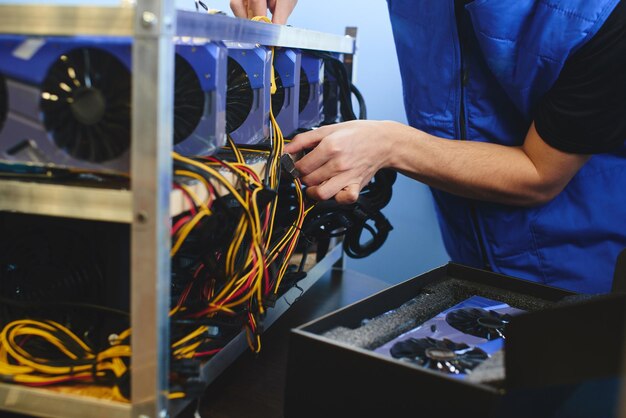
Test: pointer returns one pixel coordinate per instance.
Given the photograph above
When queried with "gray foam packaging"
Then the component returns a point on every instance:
(433, 299)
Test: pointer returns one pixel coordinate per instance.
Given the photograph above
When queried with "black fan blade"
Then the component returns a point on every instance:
(442, 355)
(239, 96)
(278, 98)
(305, 90)
(478, 322)
(85, 102)
(189, 100)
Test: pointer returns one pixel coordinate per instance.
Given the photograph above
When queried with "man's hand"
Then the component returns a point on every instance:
(281, 9)
(344, 158)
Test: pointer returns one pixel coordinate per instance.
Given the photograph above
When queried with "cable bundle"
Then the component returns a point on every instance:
(41, 353)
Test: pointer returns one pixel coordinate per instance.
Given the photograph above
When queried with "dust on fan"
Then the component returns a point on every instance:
(442, 355)
(479, 322)
(239, 96)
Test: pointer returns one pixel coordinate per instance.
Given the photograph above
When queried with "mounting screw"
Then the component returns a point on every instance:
(148, 19)
(142, 217)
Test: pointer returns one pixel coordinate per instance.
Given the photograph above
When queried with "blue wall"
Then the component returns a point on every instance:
(414, 245)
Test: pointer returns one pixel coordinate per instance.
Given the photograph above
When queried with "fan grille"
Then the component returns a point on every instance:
(86, 104)
(442, 355)
(479, 322)
(239, 96)
(305, 90)
(278, 98)
(4, 100)
(189, 100)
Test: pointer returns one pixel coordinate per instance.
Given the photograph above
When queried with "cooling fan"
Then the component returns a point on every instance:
(442, 355)
(200, 98)
(311, 100)
(286, 100)
(248, 93)
(70, 101)
(479, 322)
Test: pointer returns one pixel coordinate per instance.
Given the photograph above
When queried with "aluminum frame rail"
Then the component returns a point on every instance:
(152, 24)
(120, 21)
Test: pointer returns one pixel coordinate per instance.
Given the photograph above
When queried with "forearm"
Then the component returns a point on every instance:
(476, 170)
(344, 157)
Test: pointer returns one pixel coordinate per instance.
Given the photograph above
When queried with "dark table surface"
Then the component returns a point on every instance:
(253, 386)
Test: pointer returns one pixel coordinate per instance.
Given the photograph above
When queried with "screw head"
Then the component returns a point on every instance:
(148, 19)
(142, 217)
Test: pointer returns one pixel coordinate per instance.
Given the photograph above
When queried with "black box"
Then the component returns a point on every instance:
(331, 378)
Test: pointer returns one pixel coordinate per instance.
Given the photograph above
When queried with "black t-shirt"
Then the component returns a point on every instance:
(585, 111)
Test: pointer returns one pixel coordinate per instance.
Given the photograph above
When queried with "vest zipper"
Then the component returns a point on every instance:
(459, 9)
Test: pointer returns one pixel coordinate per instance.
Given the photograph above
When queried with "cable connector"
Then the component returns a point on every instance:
(186, 367)
(289, 166)
(269, 301)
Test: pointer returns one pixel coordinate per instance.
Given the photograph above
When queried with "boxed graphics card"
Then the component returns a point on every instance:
(435, 346)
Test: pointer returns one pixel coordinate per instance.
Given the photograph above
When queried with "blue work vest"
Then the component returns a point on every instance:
(482, 83)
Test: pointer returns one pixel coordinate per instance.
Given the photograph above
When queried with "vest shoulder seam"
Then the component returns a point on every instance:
(567, 12)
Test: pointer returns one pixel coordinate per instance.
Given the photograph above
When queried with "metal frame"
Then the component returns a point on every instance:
(153, 25)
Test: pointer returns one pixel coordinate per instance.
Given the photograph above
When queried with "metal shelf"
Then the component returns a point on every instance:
(66, 201)
(46, 403)
(118, 21)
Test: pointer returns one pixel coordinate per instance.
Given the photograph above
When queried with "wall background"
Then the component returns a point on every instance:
(414, 245)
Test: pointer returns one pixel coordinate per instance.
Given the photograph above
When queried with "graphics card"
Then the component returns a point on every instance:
(248, 93)
(311, 92)
(199, 97)
(458, 339)
(68, 101)
(285, 102)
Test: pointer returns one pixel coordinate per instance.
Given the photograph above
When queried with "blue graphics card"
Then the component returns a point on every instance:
(285, 101)
(311, 91)
(458, 339)
(68, 101)
(200, 97)
(248, 94)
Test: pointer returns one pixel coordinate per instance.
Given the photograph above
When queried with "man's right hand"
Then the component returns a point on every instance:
(281, 9)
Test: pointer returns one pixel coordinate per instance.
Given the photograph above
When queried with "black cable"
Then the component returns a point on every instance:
(361, 100)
